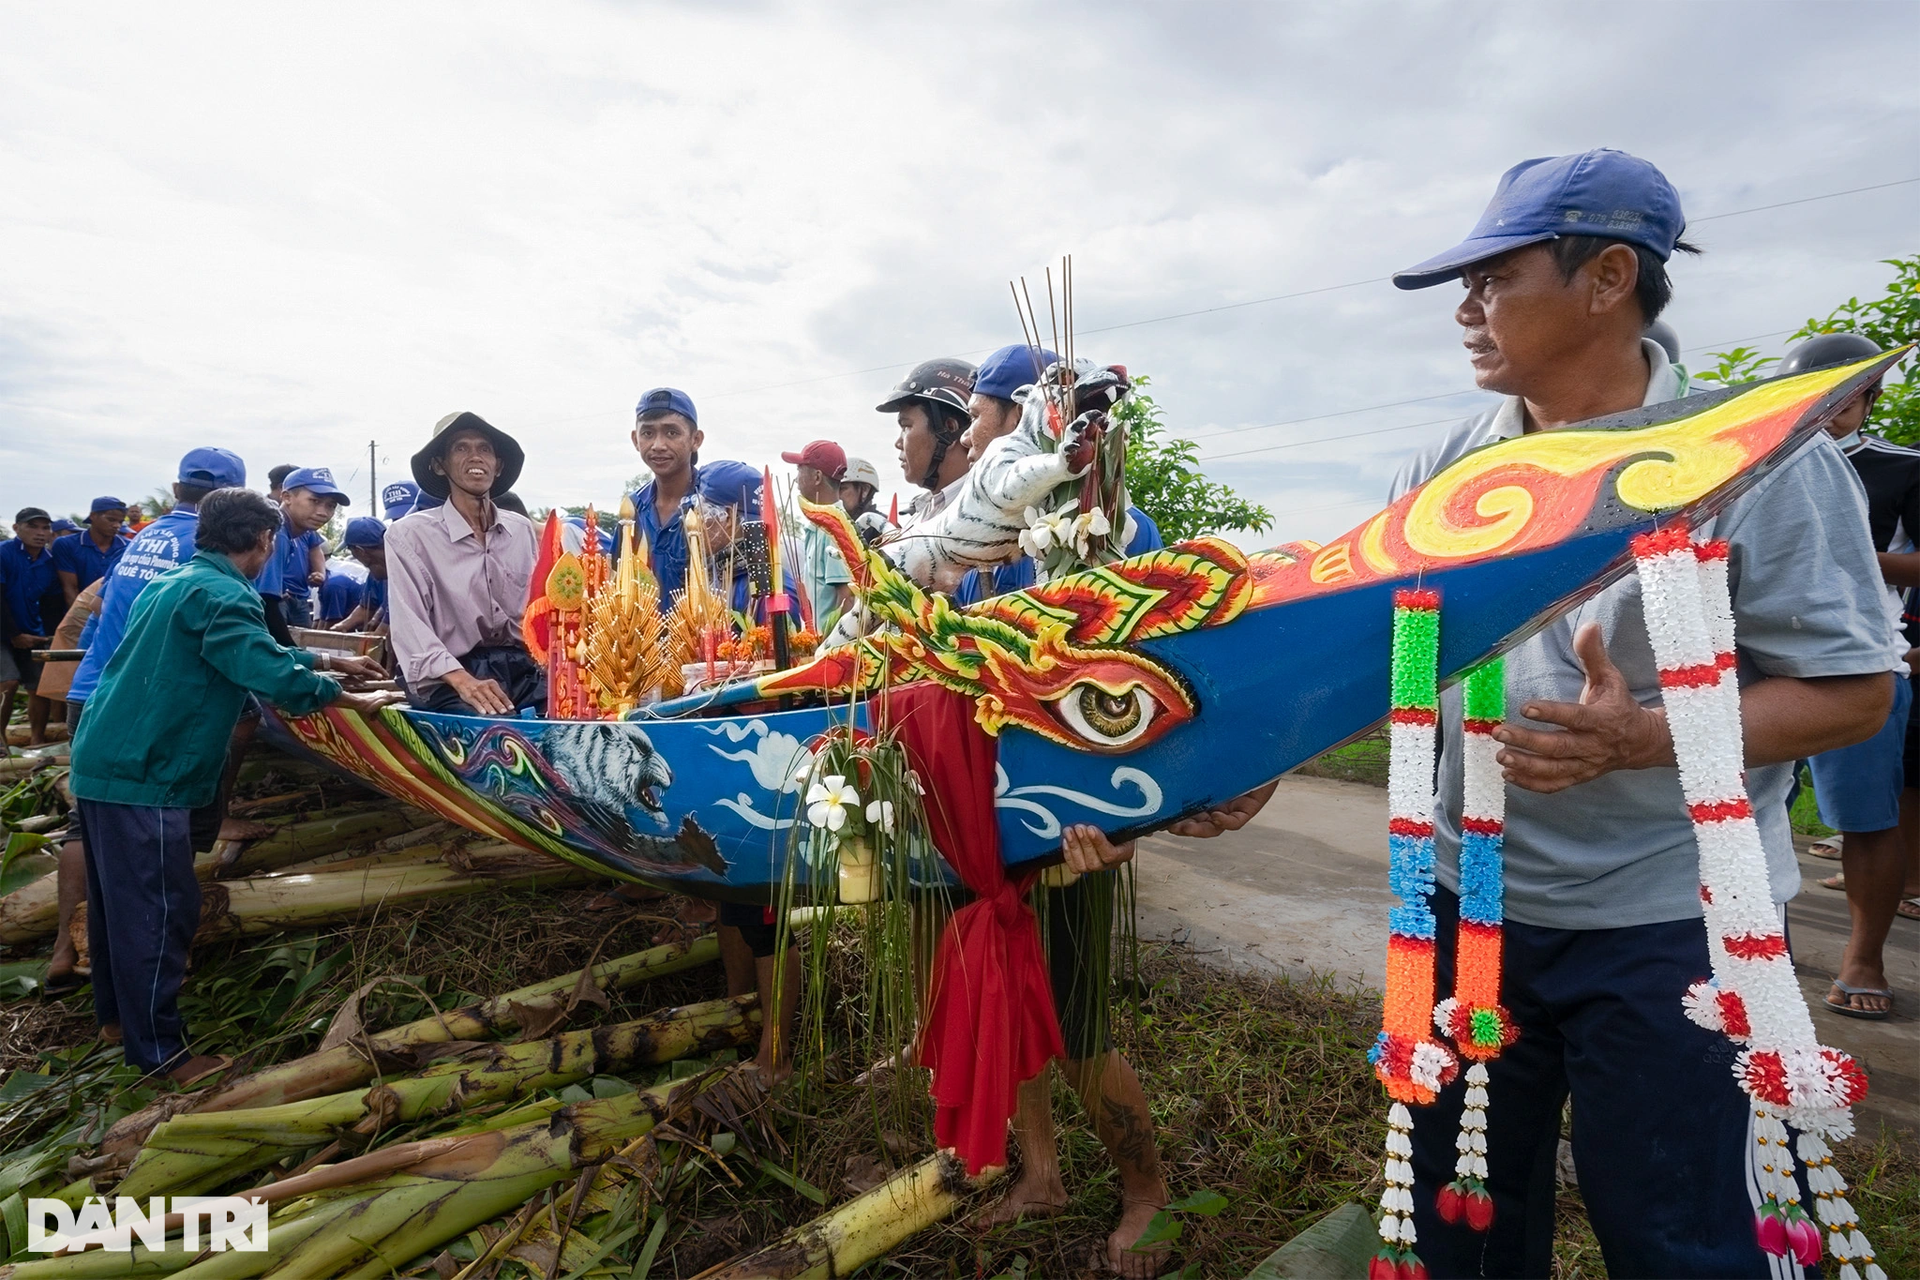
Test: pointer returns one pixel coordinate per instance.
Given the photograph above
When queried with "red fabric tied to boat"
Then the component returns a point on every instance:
(990, 1022)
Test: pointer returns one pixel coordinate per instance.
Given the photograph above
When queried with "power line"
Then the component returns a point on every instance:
(1295, 444)
(1183, 315)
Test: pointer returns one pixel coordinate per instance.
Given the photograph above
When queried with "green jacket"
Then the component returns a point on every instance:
(196, 644)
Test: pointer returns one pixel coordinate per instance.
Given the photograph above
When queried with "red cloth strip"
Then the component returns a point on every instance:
(1482, 826)
(1721, 810)
(1409, 827)
(1714, 550)
(990, 1021)
(1755, 946)
(1414, 715)
(1480, 726)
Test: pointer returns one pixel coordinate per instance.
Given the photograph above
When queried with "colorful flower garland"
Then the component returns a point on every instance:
(1473, 1016)
(1408, 1060)
(1752, 997)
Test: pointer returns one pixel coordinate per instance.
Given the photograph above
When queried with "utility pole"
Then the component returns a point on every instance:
(373, 479)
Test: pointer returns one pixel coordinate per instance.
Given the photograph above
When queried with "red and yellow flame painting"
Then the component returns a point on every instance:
(1542, 488)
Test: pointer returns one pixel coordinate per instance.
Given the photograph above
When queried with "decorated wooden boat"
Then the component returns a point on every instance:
(1127, 696)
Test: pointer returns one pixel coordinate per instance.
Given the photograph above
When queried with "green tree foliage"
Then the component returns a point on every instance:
(1890, 320)
(1165, 481)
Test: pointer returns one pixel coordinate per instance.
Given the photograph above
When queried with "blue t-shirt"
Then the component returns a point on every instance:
(79, 555)
(159, 547)
(339, 596)
(27, 581)
(295, 562)
(271, 580)
(666, 543)
(373, 594)
(1019, 575)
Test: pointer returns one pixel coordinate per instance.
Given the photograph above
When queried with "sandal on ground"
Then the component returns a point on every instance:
(1909, 908)
(62, 984)
(1828, 848)
(1835, 882)
(1846, 1010)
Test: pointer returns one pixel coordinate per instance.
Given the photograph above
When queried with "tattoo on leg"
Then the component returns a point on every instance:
(1132, 1132)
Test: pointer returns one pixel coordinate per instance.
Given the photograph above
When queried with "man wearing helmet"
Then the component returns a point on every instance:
(1859, 787)
(930, 404)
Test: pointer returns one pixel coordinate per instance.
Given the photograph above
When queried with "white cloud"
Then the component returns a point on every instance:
(290, 232)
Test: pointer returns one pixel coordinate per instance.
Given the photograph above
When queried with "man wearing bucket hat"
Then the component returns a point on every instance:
(1603, 934)
(458, 576)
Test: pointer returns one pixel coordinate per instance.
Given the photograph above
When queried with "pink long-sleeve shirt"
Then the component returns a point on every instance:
(449, 593)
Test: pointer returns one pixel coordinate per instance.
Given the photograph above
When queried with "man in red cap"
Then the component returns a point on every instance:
(823, 574)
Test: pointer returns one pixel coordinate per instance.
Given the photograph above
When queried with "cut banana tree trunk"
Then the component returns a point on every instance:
(873, 1223)
(384, 1209)
(192, 1154)
(350, 1065)
(317, 837)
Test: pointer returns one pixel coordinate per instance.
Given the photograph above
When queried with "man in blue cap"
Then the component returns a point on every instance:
(84, 558)
(667, 436)
(1603, 932)
(30, 606)
(366, 541)
(309, 497)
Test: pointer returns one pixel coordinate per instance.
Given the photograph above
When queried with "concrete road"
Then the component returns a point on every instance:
(1302, 890)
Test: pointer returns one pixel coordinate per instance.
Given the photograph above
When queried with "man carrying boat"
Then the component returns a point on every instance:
(930, 407)
(30, 607)
(152, 751)
(819, 468)
(1602, 895)
(366, 541)
(458, 575)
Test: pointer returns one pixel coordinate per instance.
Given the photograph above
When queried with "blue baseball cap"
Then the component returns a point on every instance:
(213, 469)
(106, 504)
(667, 400)
(318, 480)
(731, 484)
(1011, 368)
(398, 498)
(364, 531)
(1595, 193)
(64, 525)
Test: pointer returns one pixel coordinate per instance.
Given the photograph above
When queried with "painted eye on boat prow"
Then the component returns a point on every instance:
(1107, 713)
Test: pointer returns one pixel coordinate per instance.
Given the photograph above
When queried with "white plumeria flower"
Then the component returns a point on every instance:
(828, 800)
(880, 814)
(1048, 529)
(913, 780)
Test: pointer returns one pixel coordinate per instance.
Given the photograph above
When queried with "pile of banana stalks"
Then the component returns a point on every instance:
(537, 1132)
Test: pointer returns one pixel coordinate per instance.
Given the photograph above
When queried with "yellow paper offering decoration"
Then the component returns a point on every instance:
(624, 649)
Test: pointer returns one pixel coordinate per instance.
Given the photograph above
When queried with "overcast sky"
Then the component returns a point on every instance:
(292, 231)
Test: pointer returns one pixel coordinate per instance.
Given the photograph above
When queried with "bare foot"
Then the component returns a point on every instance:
(245, 829)
(1148, 1262)
(1033, 1196)
(198, 1068)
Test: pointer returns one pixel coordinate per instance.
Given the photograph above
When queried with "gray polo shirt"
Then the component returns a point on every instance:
(1619, 850)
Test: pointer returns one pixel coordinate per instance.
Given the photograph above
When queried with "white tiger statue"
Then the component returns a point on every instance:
(981, 527)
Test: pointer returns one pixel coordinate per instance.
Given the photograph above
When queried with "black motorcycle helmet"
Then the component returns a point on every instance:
(1825, 350)
(944, 387)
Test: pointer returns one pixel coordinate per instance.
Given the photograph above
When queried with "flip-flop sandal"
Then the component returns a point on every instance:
(1835, 882)
(1866, 1015)
(64, 984)
(1909, 908)
(1828, 848)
